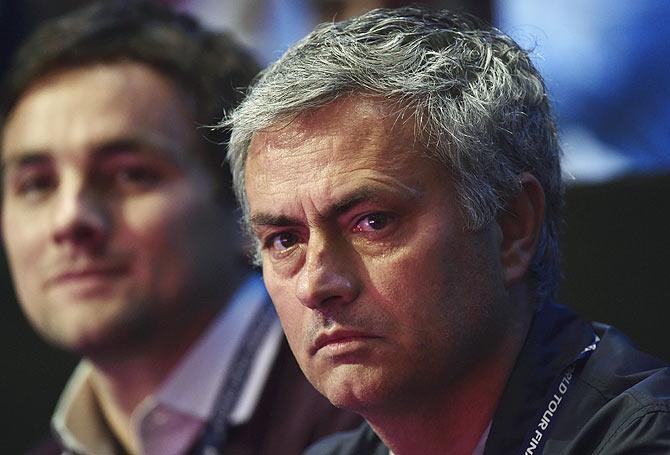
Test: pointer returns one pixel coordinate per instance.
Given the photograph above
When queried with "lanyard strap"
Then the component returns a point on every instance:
(214, 438)
(537, 437)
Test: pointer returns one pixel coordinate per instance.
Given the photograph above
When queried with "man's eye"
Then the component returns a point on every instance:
(36, 185)
(372, 222)
(283, 241)
(138, 176)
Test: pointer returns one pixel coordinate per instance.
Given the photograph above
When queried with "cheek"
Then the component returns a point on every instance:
(149, 216)
(412, 272)
(163, 223)
(290, 311)
(160, 233)
(182, 243)
(22, 231)
(25, 243)
(417, 286)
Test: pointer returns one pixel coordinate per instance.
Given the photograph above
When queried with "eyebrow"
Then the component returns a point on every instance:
(24, 159)
(267, 219)
(117, 147)
(150, 145)
(346, 203)
(27, 158)
(135, 144)
(114, 147)
(30, 158)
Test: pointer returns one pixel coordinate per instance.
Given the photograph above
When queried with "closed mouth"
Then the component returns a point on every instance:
(85, 274)
(338, 337)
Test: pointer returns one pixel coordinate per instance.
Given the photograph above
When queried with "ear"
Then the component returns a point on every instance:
(521, 225)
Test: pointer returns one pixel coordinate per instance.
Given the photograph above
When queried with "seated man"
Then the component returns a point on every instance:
(120, 231)
(400, 173)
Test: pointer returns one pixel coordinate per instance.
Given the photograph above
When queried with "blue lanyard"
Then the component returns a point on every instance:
(215, 435)
(537, 437)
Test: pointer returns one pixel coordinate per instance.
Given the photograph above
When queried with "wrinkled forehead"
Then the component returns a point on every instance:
(357, 119)
(351, 140)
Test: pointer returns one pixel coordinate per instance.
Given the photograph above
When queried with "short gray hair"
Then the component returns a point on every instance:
(479, 104)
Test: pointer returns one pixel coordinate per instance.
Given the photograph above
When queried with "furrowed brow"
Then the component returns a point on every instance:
(349, 201)
(346, 203)
(369, 193)
(268, 219)
(23, 159)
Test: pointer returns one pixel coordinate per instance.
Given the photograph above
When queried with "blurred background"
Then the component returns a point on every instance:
(606, 65)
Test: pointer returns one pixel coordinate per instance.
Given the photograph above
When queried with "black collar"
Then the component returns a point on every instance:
(555, 339)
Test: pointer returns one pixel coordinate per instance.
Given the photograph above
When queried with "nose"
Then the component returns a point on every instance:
(80, 219)
(328, 275)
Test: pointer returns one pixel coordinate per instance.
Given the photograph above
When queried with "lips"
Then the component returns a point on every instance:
(339, 340)
(88, 274)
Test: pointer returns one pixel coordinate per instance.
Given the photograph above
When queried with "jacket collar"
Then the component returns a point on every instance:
(555, 339)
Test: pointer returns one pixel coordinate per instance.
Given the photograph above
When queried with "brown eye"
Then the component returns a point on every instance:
(283, 241)
(372, 222)
(138, 176)
(35, 185)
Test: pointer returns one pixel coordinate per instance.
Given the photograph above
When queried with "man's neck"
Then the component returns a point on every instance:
(457, 423)
(457, 418)
(121, 380)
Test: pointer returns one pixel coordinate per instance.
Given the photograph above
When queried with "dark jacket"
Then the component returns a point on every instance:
(617, 402)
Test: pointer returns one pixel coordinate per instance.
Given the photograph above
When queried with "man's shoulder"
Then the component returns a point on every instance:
(619, 371)
(361, 441)
(617, 391)
(621, 400)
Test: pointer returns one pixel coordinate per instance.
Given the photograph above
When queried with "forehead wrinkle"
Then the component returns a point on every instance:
(330, 165)
(270, 152)
(337, 149)
(370, 193)
(372, 189)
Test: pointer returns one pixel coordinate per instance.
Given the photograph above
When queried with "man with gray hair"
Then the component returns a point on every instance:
(400, 174)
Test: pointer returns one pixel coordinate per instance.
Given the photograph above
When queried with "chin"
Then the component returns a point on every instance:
(94, 338)
(81, 343)
(353, 389)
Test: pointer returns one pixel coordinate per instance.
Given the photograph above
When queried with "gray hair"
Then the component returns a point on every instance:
(479, 106)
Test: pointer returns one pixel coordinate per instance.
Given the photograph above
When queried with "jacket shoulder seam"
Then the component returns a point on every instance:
(652, 408)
